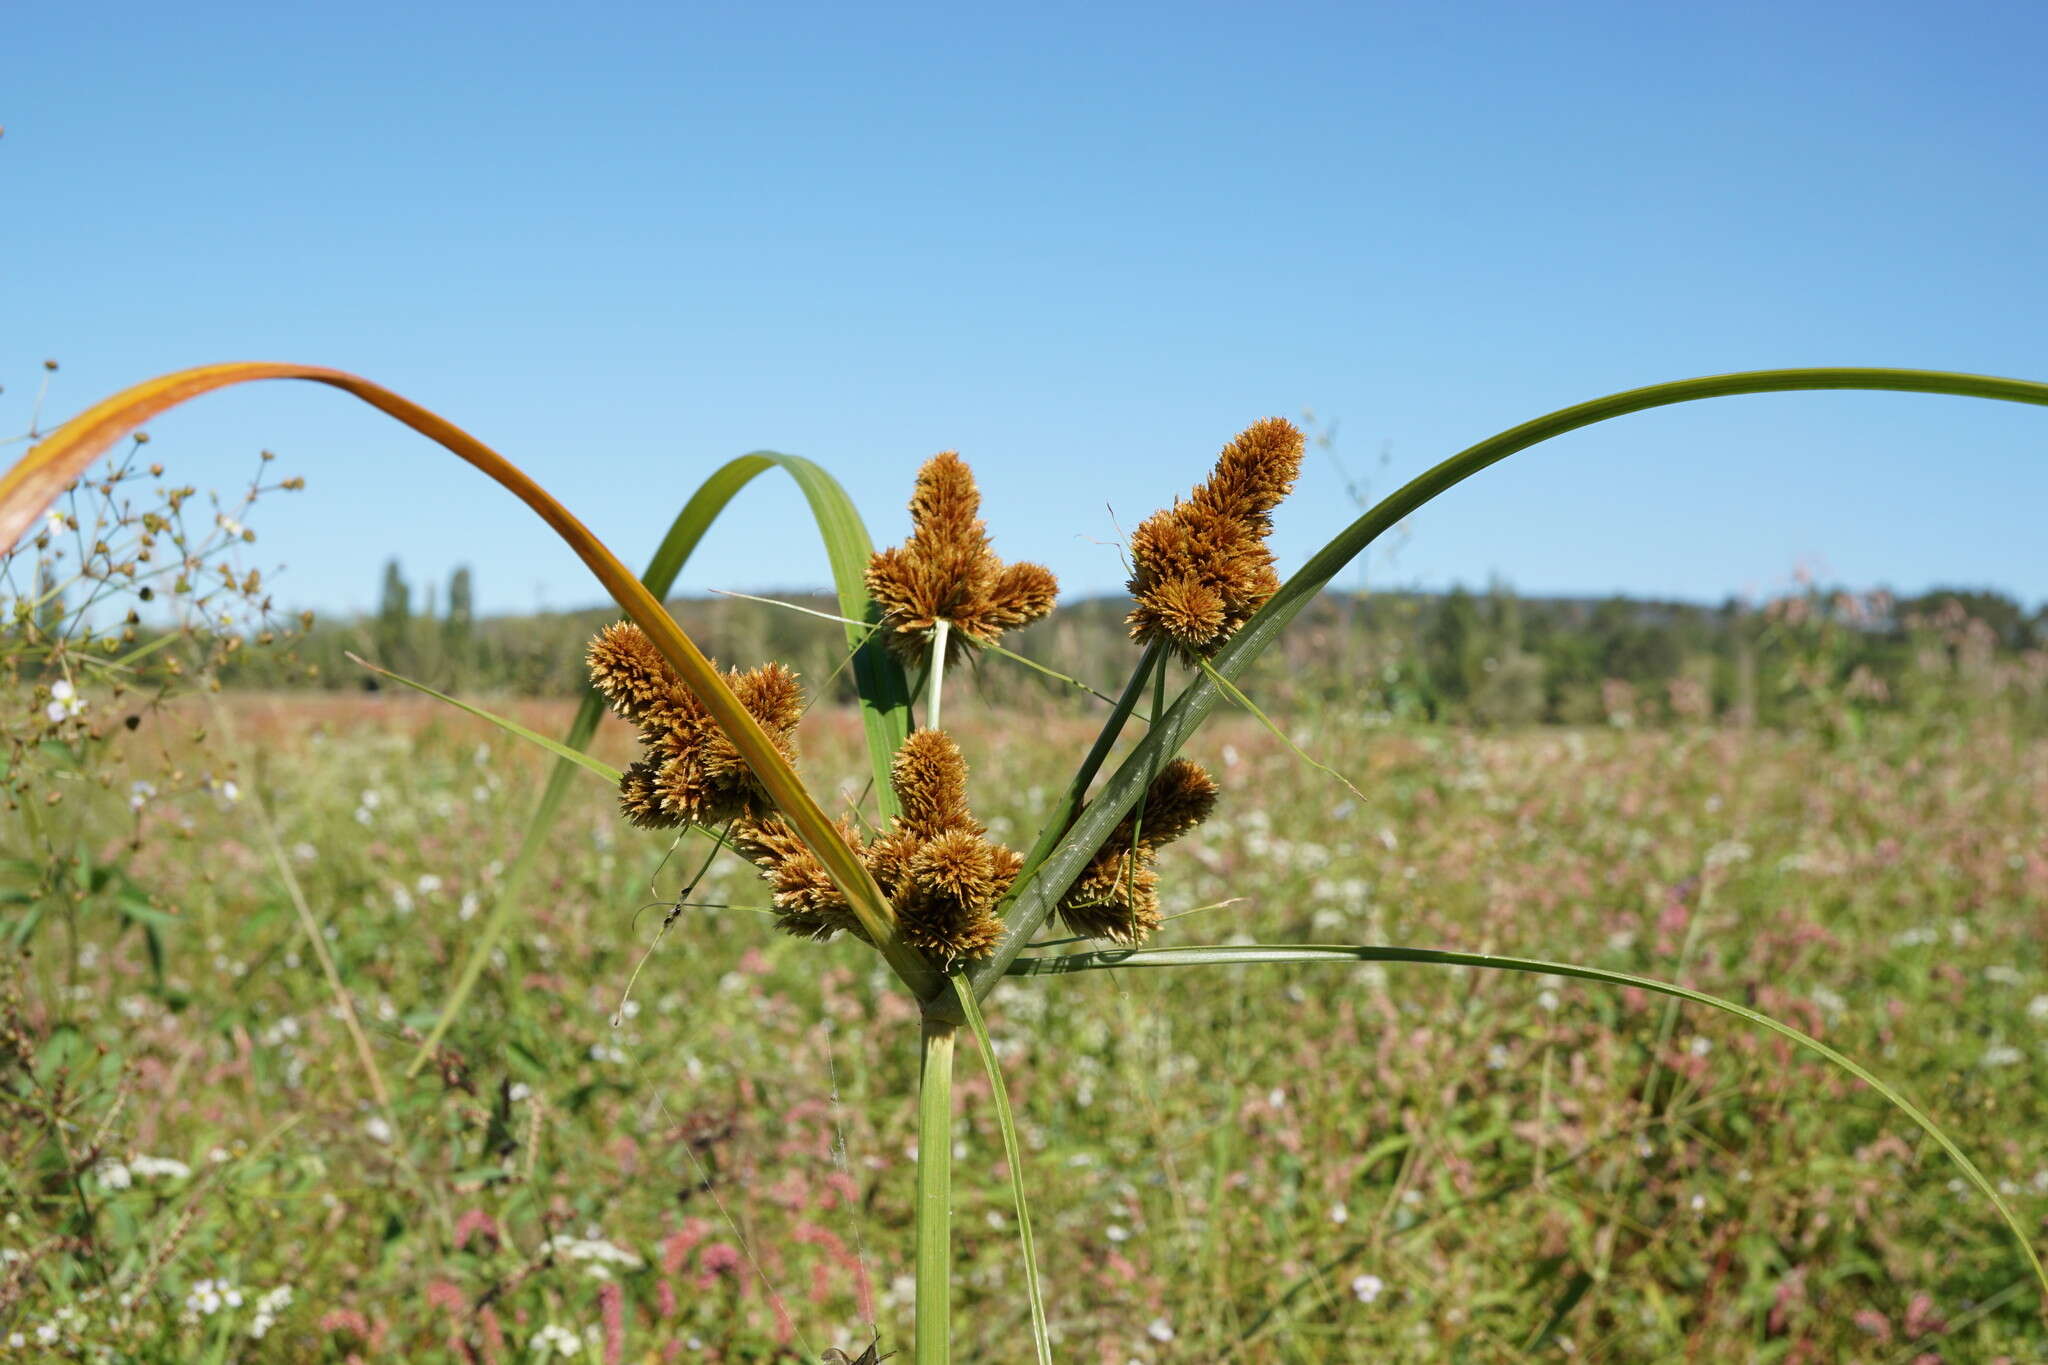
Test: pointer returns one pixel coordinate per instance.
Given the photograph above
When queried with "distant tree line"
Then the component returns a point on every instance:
(1489, 658)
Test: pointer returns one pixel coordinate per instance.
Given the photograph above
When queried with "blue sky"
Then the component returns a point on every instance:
(1084, 247)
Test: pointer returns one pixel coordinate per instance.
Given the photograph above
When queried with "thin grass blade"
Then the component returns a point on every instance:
(1013, 1153)
(507, 724)
(1244, 955)
(1033, 897)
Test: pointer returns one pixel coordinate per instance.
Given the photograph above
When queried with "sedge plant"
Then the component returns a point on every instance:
(917, 878)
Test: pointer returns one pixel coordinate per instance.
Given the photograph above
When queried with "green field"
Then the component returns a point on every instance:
(1343, 1162)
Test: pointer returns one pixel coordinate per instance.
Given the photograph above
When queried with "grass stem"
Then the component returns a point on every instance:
(935, 1194)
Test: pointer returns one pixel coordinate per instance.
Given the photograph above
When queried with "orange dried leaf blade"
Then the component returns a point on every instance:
(41, 474)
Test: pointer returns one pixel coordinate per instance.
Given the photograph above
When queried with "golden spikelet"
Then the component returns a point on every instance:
(930, 779)
(948, 908)
(807, 903)
(946, 571)
(1201, 568)
(935, 864)
(1117, 894)
(691, 773)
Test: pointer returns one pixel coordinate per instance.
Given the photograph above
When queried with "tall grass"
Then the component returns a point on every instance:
(1073, 832)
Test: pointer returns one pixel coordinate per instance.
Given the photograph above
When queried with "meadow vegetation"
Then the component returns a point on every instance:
(1377, 1162)
(654, 1128)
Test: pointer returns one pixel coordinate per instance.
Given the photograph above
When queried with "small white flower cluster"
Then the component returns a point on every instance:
(160, 1168)
(64, 702)
(554, 1341)
(595, 1252)
(68, 1323)
(267, 1309)
(1367, 1288)
(208, 1297)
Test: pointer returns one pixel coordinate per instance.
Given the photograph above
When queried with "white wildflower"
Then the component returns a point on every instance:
(160, 1168)
(2037, 1009)
(591, 1251)
(1367, 1288)
(554, 1341)
(139, 794)
(114, 1175)
(267, 1310)
(1161, 1330)
(64, 701)
(208, 1297)
(2003, 1054)
(377, 1128)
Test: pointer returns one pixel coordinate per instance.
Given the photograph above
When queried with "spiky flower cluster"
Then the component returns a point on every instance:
(691, 773)
(946, 571)
(935, 863)
(1117, 895)
(1201, 567)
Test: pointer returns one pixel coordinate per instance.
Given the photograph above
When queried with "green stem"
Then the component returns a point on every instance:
(940, 631)
(935, 1194)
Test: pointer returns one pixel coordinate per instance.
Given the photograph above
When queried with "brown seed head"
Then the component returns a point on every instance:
(942, 876)
(948, 908)
(691, 773)
(930, 779)
(1181, 797)
(807, 903)
(1117, 895)
(946, 571)
(1201, 567)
